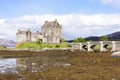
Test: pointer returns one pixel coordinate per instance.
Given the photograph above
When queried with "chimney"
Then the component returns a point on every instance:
(55, 20)
(46, 21)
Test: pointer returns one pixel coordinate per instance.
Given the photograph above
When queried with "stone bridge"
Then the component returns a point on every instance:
(97, 45)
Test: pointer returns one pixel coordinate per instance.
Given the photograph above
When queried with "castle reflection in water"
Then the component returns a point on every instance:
(30, 64)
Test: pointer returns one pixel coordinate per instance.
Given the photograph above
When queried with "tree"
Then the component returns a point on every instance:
(39, 41)
(62, 40)
(103, 38)
(79, 40)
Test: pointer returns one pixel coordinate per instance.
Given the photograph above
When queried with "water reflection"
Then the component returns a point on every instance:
(31, 64)
(8, 65)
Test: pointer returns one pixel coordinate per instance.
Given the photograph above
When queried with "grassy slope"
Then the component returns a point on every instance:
(35, 46)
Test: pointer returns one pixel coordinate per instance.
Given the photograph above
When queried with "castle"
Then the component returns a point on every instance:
(50, 33)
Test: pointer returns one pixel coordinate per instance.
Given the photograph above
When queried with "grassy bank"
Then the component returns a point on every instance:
(35, 46)
(3, 48)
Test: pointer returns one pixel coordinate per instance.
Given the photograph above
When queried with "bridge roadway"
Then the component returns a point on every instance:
(103, 46)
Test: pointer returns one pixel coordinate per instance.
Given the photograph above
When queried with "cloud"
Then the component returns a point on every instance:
(73, 25)
(112, 2)
(2, 21)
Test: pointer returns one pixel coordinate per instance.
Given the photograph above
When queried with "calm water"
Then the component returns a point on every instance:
(8, 65)
(31, 64)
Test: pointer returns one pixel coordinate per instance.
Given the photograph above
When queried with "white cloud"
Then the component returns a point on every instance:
(73, 25)
(2, 21)
(113, 2)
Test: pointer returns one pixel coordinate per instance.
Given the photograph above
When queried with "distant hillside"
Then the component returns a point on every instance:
(114, 36)
(7, 43)
(93, 38)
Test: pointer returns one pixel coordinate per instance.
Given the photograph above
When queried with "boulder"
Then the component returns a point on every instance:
(45, 49)
(116, 54)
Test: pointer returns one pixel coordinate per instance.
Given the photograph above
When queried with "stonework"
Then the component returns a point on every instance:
(50, 33)
(103, 46)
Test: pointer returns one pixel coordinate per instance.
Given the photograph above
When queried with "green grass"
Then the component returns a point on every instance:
(35, 46)
(97, 47)
(109, 47)
(3, 48)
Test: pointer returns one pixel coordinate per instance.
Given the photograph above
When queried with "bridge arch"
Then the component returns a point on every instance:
(103, 46)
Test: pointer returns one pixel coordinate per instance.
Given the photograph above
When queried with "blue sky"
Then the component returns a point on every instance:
(15, 8)
(80, 18)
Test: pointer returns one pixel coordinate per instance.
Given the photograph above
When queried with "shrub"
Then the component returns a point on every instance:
(103, 38)
(39, 41)
(57, 46)
(62, 40)
(79, 40)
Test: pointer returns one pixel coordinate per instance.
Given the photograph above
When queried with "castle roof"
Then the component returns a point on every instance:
(52, 24)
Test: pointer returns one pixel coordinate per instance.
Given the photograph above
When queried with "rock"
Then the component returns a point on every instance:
(72, 50)
(45, 49)
(67, 64)
(116, 54)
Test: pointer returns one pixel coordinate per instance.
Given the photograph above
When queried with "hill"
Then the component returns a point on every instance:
(93, 38)
(112, 37)
(7, 43)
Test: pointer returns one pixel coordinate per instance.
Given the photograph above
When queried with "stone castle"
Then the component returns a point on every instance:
(50, 33)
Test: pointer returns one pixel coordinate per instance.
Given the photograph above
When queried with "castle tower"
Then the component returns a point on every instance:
(52, 30)
(23, 36)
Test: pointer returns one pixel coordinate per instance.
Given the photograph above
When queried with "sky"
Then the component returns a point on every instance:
(79, 18)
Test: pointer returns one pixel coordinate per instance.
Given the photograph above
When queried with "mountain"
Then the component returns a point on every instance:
(7, 43)
(114, 36)
(93, 38)
(111, 37)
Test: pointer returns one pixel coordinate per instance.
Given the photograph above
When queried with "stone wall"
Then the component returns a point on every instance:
(23, 36)
(36, 36)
